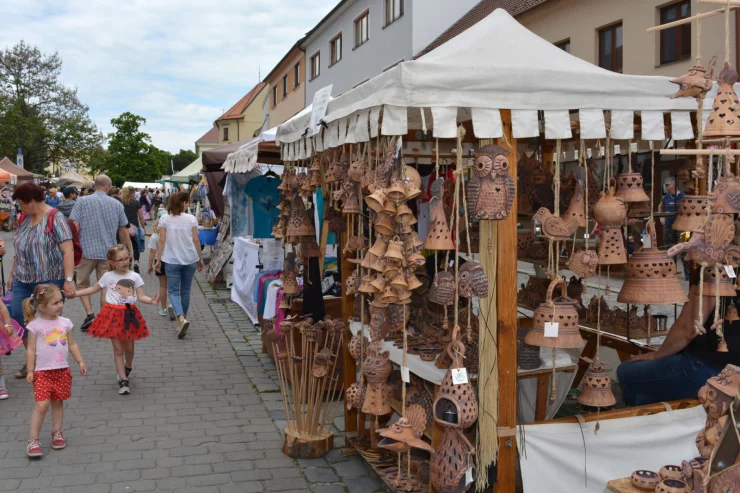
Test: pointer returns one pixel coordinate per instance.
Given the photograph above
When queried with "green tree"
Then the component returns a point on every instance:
(131, 156)
(183, 159)
(40, 114)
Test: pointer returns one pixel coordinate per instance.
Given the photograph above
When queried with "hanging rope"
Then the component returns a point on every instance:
(652, 185)
(727, 32)
(699, 326)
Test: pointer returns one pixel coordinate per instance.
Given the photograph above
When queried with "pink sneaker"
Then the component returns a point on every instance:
(57, 440)
(3, 393)
(33, 448)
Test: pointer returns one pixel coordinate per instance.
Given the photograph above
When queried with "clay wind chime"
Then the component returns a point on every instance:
(309, 385)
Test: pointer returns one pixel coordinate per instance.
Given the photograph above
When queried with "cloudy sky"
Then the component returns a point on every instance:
(177, 63)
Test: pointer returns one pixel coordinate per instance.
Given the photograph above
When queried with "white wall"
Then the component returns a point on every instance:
(384, 47)
(433, 17)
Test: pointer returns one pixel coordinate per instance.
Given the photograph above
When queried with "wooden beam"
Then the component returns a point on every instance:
(686, 20)
(627, 412)
(506, 304)
(698, 152)
(733, 3)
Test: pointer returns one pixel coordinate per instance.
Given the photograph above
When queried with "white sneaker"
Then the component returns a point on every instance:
(171, 312)
(123, 387)
(182, 329)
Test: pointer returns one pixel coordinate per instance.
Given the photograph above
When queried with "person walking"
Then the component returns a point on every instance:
(669, 203)
(101, 222)
(70, 198)
(135, 216)
(120, 320)
(52, 200)
(44, 253)
(153, 246)
(146, 203)
(49, 345)
(179, 250)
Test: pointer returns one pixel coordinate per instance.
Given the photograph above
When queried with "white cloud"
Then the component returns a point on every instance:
(178, 63)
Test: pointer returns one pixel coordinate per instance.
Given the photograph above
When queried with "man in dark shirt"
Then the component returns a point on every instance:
(669, 203)
(70, 198)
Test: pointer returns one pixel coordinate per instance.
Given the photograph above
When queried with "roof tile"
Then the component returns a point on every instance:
(237, 111)
(208, 137)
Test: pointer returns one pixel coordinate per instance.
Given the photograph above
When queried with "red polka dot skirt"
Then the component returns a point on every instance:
(52, 384)
(121, 322)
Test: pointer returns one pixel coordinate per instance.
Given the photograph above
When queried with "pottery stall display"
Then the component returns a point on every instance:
(610, 213)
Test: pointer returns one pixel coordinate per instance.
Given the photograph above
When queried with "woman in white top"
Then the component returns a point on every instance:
(179, 250)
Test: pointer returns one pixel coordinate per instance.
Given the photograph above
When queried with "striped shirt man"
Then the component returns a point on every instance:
(99, 217)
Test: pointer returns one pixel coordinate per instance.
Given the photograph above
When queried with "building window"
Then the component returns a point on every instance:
(393, 10)
(564, 45)
(315, 65)
(297, 74)
(610, 48)
(226, 133)
(285, 86)
(675, 43)
(274, 96)
(335, 46)
(362, 25)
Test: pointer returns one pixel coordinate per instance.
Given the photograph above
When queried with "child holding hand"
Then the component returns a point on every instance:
(119, 319)
(50, 341)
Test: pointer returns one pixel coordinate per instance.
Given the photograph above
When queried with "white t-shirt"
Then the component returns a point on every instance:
(179, 248)
(154, 242)
(120, 289)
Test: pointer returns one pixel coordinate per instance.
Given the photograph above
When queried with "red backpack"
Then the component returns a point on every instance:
(77, 247)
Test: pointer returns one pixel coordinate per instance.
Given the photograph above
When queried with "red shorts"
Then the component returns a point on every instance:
(52, 384)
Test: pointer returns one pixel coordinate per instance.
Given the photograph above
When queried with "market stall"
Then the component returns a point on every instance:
(440, 313)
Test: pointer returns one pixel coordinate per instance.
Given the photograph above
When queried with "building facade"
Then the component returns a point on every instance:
(287, 83)
(241, 121)
(360, 39)
(208, 141)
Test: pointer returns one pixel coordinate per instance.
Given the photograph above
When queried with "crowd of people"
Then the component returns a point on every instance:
(59, 242)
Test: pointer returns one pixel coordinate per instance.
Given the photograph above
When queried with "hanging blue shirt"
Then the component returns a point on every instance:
(263, 190)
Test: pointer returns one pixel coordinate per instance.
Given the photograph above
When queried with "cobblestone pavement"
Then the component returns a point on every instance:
(203, 416)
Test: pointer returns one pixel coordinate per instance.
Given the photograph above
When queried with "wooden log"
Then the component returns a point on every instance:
(307, 446)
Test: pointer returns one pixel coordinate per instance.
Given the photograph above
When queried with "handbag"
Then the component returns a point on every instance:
(132, 230)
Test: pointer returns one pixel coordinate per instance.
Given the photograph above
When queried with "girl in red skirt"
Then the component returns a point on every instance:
(119, 320)
(50, 341)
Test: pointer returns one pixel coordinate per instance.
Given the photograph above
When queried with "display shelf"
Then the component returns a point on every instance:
(385, 465)
(396, 406)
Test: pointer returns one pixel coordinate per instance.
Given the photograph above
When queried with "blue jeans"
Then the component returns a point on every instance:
(674, 377)
(22, 291)
(140, 239)
(179, 282)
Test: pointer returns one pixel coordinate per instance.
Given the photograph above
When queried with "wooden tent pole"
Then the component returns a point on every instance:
(506, 304)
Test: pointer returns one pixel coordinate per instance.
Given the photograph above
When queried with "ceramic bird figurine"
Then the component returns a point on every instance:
(577, 206)
(407, 432)
(491, 189)
(696, 82)
(554, 227)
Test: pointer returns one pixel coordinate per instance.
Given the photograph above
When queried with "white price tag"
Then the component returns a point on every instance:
(647, 242)
(452, 263)
(459, 376)
(551, 329)
(730, 271)
(469, 476)
(586, 236)
(405, 374)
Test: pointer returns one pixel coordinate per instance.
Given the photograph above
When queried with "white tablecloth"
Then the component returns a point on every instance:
(246, 258)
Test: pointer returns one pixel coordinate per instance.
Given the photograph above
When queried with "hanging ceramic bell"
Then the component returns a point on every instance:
(724, 120)
(629, 188)
(391, 268)
(731, 313)
(309, 247)
(399, 281)
(726, 284)
(290, 269)
(415, 258)
(396, 191)
(692, 213)
(389, 208)
(389, 296)
(366, 261)
(651, 277)
(395, 249)
(404, 214)
(610, 213)
(597, 386)
(366, 286)
(299, 224)
(412, 191)
(379, 247)
(413, 282)
(561, 310)
(376, 200)
(577, 207)
(377, 264)
(384, 225)
(439, 236)
(442, 291)
(379, 284)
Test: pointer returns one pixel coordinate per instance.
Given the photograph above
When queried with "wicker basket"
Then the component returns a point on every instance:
(527, 356)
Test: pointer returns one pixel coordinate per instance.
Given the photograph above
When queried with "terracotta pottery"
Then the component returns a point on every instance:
(672, 486)
(290, 270)
(300, 223)
(389, 208)
(712, 243)
(629, 188)
(407, 432)
(583, 263)
(379, 284)
(651, 277)
(356, 171)
(609, 211)
(415, 259)
(355, 396)
(726, 284)
(412, 281)
(597, 387)
(716, 397)
(384, 225)
(611, 247)
(645, 480)
(442, 291)
(309, 247)
(439, 236)
(692, 212)
(355, 346)
(367, 287)
(671, 472)
(553, 227)
(577, 207)
(696, 82)
(561, 310)
(391, 268)
(473, 280)
(376, 200)
(376, 368)
(724, 120)
(725, 196)
(395, 249)
(731, 313)
(399, 281)
(389, 296)
(315, 180)
(396, 191)
(491, 189)
(379, 247)
(726, 481)
(404, 214)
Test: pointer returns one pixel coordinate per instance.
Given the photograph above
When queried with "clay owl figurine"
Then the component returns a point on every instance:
(491, 190)
(473, 280)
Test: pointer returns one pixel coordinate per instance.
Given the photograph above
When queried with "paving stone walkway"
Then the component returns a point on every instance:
(203, 416)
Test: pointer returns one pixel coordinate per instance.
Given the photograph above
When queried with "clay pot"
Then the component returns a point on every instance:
(671, 472)
(561, 310)
(629, 188)
(609, 211)
(692, 213)
(672, 486)
(645, 480)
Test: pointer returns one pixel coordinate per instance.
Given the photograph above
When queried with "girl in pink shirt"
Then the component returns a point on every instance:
(50, 341)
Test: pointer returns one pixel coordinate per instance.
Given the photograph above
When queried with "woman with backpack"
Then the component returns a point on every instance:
(44, 252)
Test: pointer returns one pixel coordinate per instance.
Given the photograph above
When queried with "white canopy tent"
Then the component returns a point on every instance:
(183, 176)
(138, 184)
(496, 64)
